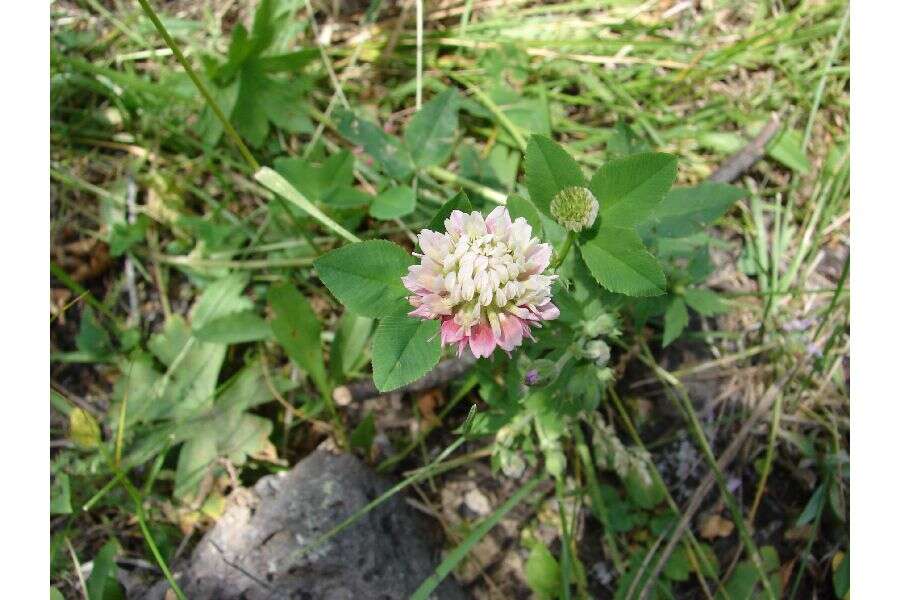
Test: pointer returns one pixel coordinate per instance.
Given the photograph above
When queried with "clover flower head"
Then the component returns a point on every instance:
(575, 208)
(484, 280)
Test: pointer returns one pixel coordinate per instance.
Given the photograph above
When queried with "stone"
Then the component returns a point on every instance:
(253, 551)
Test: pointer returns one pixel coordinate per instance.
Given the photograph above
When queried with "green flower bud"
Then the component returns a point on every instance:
(575, 208)
(597, 351)
(603, 324)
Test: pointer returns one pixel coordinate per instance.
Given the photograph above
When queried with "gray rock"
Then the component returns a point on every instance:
(252, 552)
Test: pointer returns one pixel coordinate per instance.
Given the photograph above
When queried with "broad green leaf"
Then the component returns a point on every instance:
(393, 203)
(237, 328)
(725, 142)
(704, 301)
(241, 434)
(813, 506)
(196, 456)
(283, 102)
(248, 94)
(365, 276)
(637, 576)
(787, 148)
(710, 567)
(316, 182)
(678, 568)
(299, 332)
(123, 236)
(458, 202)
(55, 594)
(619, 261)
(675, 320)
(473, 166)
(92, 338)
(629, 188)
(84, 431)
(60, 495)
(542, 572)
(278, 184)
(645, 494)
(521, 207)
(685, 211)
(348, 349)
(193, 369)
(346, 197)
(841, 575)
(102, 583)
(744, 583)
(403, 350)
(221, 298)
(430, 134)
(137, 386)
(529, 115)
(250, 388)
(364, 433)
(384, 148)
(625, 142)
(549, 169)
(643, 309)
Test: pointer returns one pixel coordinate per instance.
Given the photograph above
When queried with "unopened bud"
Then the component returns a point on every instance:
(575, 208)
(540, 371)
(597, 351)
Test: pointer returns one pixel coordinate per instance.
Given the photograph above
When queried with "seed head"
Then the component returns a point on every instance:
(575, 208)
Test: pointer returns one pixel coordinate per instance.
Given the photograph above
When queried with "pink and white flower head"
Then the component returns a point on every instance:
(483, 280)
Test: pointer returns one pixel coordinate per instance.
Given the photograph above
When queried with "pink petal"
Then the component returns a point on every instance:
(423, 312)
(482, 341)
(548, 311)
(511, 332)
(455, 222)
(451, 332)
(498, 220)
(538, 258)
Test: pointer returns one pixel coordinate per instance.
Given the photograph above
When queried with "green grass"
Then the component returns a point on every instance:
(125, 108)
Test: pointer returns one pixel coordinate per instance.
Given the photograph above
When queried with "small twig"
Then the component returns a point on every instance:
(443, 373)
(134, 315)
(743, 159)
(78, 572)
(725, 459)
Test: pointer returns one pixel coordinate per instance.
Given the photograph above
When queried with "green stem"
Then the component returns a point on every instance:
(598, 506)
(675, 391)
(465, 389)
(450, 177)
(565, 558)
(226, 124)
(564, 251)
(148, 537)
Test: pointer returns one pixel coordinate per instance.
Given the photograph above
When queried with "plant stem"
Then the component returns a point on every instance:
(675, 391)
(207, 96)
(450, 177)
(564, 251)
(598, 506)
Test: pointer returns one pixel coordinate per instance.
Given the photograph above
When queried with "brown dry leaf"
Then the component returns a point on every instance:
(785, 573)
(801, 532)
(427, 403)
(59, 298)
(84, 430)
(214, 505)
(84, 259)
(269, 453)
(715, 526)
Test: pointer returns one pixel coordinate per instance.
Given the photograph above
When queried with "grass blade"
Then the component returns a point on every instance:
(458, 553)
